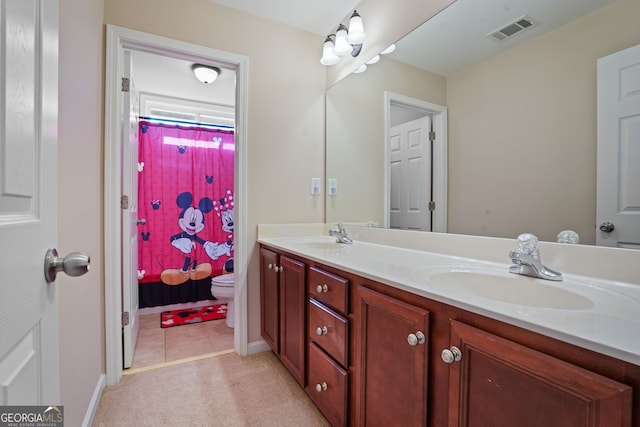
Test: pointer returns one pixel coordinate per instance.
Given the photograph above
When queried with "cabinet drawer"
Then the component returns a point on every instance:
(329, 330)
(327, 386)
(328, 288)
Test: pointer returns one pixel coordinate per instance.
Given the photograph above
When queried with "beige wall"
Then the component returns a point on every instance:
(80, 202)
(522, 131)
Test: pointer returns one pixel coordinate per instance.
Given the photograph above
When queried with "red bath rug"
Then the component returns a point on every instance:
(192, 315)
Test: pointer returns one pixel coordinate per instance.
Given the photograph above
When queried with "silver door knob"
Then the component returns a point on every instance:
(607, 227)
(74, 264)
(451, 355)
(141, 221)
(415, 339)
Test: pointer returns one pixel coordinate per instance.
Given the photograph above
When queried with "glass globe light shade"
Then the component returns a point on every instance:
(356, 29)
(342, 47)
(205, 73)
(328, 55)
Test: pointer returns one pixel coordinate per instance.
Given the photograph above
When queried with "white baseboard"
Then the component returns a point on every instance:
(95, 401)
(258, 347)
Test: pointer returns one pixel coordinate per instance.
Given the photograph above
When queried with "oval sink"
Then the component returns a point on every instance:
(512, 289)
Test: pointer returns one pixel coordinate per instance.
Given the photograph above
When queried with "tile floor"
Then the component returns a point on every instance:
(156, 345)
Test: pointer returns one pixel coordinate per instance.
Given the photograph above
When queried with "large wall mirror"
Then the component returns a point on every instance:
(521, 115)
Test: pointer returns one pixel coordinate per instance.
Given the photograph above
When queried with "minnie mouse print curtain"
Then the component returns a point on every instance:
(185, 193)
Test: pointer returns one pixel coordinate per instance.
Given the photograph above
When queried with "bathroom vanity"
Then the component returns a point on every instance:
(397, 343)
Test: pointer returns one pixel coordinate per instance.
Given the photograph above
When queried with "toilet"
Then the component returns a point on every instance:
(222, 287)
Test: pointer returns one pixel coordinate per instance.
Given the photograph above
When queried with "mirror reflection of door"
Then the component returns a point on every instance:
(618, 175)
(410, 172)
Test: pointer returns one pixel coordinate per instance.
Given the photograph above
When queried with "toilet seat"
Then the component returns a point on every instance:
(224, 280)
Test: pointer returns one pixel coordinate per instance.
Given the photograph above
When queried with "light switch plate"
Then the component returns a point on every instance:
(315, 186)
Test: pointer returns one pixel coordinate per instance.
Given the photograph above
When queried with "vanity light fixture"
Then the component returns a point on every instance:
(344, 42)
(356, 29)
(329, 56)
(360, 69)
(373, 60)
(388, 50)
(205, 73)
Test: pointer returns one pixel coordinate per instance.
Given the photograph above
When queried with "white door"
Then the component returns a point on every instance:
(618, 170)
(410, 175)
(129, 141)
(29, 359)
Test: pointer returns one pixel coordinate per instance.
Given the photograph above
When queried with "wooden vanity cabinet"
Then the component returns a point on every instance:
(328, 337)
(498, 382)
(391, 361)
(380, 360)
(283, 316)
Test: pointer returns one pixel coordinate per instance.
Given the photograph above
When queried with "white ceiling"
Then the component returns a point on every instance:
(450, 41)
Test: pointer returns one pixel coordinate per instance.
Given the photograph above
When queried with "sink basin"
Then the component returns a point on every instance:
(513, 289)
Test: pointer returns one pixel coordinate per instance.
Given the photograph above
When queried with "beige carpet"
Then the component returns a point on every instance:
(226, 390)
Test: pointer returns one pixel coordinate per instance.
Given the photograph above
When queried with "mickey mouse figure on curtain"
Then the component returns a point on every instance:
(191, 221)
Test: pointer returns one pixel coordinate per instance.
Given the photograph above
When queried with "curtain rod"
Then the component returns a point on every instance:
(156, 119)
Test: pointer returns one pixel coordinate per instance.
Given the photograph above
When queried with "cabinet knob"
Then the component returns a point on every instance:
(322, 288)
(270, 266)
(321, 387)
(415, 339)
(450, 355)
(322, 330)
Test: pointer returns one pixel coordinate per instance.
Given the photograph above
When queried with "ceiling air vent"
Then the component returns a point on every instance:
(512, 28)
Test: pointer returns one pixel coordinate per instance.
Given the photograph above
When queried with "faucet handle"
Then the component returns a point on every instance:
(527, 244)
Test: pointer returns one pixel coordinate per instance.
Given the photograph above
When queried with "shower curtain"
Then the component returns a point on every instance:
(185, 193)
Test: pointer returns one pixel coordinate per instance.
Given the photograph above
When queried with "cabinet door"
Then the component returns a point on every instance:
(292, 316)
(500, 383)
(269, 299)
(391, 374)
(328, 386)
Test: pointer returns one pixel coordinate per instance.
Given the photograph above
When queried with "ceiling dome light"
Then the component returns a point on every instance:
(205, 73)
(356, 29)
(342, 48)
(329, 57)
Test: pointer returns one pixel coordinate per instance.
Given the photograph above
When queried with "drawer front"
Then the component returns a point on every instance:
(329, 289)
(329, 330)
(327, 386)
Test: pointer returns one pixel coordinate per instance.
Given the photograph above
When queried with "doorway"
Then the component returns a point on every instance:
(120, 40)
(401, 109)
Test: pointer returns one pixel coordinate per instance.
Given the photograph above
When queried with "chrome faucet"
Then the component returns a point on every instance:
(527, 260)
(340, 234)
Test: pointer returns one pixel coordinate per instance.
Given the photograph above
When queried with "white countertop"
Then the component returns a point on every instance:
(600, 315)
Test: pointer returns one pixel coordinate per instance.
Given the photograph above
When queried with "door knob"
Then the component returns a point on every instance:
(74, 264)
(415, 339)
(451, 355)
(607, 227)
